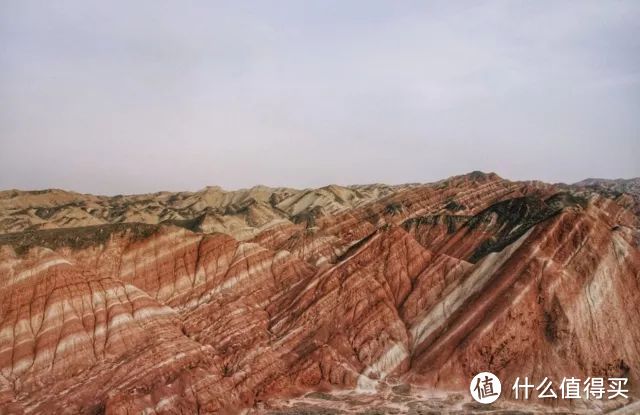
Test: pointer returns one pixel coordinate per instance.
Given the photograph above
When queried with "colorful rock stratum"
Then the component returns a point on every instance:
(360, 299)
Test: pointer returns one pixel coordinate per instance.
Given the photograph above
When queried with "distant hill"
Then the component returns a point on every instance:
(614, 187)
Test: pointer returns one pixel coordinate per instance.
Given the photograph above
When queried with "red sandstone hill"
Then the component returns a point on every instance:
(336, 299)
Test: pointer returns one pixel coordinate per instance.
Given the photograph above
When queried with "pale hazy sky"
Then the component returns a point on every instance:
(139, 96)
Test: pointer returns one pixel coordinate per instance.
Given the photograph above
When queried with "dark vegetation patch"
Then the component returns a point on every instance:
(33, 192)
(354, 248)
(47, 213)
(454, 206)
(393, 208)
(174, 198)
(117, 212)
(275, 199)
(143, 202)
(514, 217)
(308, 218)
(477, 175)
(192, 224)
(565, 199)
(75, 238)
(452, 222)
(242, 207)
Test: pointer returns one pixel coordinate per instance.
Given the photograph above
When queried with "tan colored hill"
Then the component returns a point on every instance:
(241, 213)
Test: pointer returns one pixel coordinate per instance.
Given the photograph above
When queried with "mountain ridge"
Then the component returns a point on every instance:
(373, 299)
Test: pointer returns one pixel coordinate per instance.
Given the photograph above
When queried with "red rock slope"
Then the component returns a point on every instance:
(425, 285)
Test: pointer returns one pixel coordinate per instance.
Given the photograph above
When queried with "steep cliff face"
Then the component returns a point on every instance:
(346, 289)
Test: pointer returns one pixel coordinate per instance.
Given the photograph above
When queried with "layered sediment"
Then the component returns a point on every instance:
(217, 302)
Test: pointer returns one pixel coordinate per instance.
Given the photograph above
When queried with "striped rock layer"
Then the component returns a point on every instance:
(423, 284)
